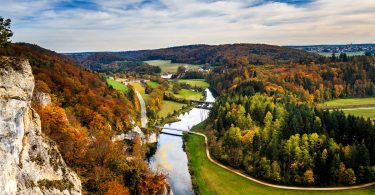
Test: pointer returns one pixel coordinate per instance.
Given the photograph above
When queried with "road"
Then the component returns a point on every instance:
(143, 110)
(238, 172)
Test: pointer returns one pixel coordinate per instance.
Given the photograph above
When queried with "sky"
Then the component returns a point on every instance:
(118, 25)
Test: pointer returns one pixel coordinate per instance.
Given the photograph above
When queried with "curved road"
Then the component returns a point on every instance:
(273, 185)
(143, 110)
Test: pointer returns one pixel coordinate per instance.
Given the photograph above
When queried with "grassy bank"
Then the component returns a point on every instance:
(208, 178)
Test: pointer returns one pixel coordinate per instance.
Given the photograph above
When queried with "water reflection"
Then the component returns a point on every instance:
(170, 157)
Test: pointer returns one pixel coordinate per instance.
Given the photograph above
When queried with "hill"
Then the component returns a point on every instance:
(82, 114)
(112, 63)
(216, 55)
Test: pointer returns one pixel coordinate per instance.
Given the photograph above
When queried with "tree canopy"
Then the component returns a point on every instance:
(5, 31)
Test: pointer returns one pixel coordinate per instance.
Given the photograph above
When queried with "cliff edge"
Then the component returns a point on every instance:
(30, 163)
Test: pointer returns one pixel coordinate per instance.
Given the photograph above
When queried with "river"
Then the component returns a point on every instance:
(170, 158)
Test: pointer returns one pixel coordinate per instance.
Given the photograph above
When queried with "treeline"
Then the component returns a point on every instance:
(82, 119)
(218, 55)
(107, 62)
(313, 82)
(282, 141)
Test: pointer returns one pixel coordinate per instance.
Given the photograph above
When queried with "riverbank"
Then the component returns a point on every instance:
(209, 178)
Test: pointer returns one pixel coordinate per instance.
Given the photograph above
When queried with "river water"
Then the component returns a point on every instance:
(170, 158)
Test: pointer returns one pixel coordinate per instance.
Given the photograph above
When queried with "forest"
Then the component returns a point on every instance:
(110, 63)
(336, 77)
(214, 55)
(82, 119)
(268, 124)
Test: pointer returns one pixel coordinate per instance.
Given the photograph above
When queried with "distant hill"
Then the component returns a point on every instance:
(216, 55)
(112, 63)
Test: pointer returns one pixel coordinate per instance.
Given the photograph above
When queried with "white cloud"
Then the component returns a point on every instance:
(116, 25)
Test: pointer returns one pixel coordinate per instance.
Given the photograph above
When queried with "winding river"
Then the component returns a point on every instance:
(170, 158)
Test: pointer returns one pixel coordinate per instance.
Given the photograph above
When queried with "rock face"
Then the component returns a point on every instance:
(29, 162)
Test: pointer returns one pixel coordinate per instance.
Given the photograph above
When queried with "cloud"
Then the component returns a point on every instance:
(73, 25)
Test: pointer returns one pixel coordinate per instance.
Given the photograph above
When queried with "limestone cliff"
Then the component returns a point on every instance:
(29, 162)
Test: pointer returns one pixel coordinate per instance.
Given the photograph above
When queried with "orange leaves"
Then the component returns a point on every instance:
(115, 188)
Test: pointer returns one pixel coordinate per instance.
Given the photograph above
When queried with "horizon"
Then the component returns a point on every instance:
(72, 26)
(308, 45)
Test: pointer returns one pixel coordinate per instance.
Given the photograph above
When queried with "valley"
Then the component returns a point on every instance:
(105, 115)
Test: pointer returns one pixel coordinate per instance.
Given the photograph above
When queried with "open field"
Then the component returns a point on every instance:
(364, 107)
(189, 95)
(349, 102)
(212, 179)
(364, 112)
(195, 82)
(116, 85)
(169, 107)
(167, 66)
(153, 84)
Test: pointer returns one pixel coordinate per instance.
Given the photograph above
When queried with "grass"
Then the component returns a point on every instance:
(141, 90)
(349, 102)
(366, 113)
(168, 67)
(195, 82)
(117, 85)
(153, 84)
(168, 107)
(212, 179)
(189, 95)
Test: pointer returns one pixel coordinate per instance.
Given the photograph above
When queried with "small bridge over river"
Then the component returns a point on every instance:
(202, 104)
(172, 131)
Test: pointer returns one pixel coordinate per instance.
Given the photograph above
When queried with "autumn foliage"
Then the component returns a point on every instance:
(82, 119)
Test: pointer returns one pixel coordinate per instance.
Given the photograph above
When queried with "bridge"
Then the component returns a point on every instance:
(173, 129)
(202, 104)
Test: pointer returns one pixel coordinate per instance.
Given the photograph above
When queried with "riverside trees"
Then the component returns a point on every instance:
(286, 141)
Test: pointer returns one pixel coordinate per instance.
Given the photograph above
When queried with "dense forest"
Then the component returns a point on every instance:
(83, 117)
(266, 121)
(336, 77)
(218, 55)
(215, 55)
(112, 63)
(289, 143)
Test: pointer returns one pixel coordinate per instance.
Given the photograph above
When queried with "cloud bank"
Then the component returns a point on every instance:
(98, 25)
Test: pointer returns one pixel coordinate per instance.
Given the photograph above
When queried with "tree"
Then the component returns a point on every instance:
(176, 87)
(5, 32)
(309, 177)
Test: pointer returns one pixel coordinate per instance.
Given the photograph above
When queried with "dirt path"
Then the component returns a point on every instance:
(273, 185)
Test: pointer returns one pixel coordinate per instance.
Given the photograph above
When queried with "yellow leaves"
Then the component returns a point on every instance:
(309, 177)
(248, 137)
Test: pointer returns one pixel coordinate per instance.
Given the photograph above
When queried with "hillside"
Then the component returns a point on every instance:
(82, 114)
(112, 63)
(216, 55)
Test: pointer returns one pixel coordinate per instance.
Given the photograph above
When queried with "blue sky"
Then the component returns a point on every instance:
(112, 25)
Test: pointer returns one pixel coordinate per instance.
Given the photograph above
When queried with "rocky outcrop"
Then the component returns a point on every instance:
(29, 162)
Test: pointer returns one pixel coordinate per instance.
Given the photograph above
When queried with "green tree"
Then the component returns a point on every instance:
(5, 32)
(176, 87)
